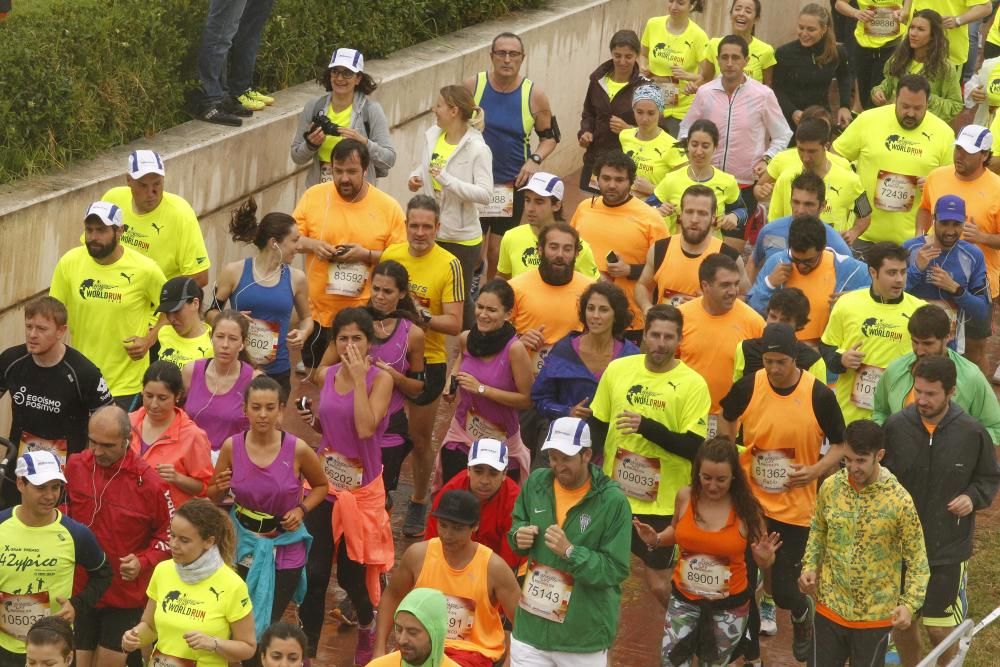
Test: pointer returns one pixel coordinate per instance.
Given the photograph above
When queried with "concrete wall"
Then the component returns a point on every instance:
(215, 168)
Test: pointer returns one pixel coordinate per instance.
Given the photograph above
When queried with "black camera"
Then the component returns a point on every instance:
(323, 121)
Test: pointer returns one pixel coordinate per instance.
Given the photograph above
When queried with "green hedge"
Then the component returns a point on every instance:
(81, 76)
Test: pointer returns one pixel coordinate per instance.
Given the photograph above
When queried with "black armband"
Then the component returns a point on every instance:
(417, 375)
(215, 305)
(551, 132)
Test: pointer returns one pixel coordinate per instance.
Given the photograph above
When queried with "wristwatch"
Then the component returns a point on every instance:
(536, 158)
(482, 389)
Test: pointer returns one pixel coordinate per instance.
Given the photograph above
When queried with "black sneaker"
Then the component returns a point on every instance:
(216, 114)
(232, 105)
(802, 633)
(413, 524)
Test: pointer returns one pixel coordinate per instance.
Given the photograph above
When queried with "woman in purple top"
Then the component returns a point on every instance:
(264, 467)
(492, 381)
(352, 416)
(398, 349)
(214, 387)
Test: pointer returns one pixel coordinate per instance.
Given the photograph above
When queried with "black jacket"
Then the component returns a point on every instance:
(598, 110)
(959, 458)
(799, 82)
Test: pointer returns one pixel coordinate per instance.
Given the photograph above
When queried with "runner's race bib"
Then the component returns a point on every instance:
(478, 426)
(262, 341)
(546, 592)
(539, 357)
(865, 380)
(343, 472)
(163, 660)
(895, 193)
(32, 443)
(501, 203)
(712, 429)
(884, 24)
(673, 298)
(346, 279)
(668, 86)
(957, 332)
(770, 468)
(637, 475)
(19, 612)
(704, 576)
(461, 614)
(325, 172)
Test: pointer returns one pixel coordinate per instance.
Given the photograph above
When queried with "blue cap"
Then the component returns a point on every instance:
(950, 207)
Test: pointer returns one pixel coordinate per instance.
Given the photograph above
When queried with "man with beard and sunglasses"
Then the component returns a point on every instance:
(671, 271)
(345, 225)
(109, 292)
(546, 299)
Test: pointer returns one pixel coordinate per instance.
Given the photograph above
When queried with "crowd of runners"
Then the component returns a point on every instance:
(750, 364)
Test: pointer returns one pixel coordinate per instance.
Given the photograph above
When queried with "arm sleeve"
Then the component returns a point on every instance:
(598, 433)
(816, 545)
(911, 541)
(845, 79)
(684, 445)
(735, 403)
(609, 564)
(832, 358)
(383, 153)
(828, 412)
(300, 150)
(91, 557)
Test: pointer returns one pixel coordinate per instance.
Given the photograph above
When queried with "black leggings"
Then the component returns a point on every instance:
(788, 566)
(350, 576)
(868, 66)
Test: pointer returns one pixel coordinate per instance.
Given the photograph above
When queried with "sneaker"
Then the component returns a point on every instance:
(254, 94)
(891, 653)
(802, 632)
(768, 617)
(366, 645)
(217, 115)
(233, 106)
(413, 524)
(250, 103)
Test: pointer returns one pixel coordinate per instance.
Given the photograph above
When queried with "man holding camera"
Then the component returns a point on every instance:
(345, 225)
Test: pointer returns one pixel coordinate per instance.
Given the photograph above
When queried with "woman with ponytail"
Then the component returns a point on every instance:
(266, 289)
(807, 65)
(456, 168)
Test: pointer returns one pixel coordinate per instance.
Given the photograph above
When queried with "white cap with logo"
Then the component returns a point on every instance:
(348, 58)
(569, 435)
(107, 212)
(490, 452)
(144, 162)
(40, 467)
(974, 139)
(544, 184)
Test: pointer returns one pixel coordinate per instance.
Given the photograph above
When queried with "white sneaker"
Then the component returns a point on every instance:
(768, 618)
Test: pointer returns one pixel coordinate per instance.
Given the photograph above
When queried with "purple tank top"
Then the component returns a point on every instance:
(480, 416)
(219, 415)
(340, 435)
(393, 351)
(273, 490)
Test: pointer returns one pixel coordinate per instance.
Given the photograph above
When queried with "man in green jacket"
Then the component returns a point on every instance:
(575, 526)
(930, 330)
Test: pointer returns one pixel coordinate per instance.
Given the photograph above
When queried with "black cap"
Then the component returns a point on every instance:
(779, 337)
(458, 506)
(178, 291)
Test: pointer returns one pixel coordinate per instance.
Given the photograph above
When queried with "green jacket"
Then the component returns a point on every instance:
(973, 392)
(600, 529)
(946, 92)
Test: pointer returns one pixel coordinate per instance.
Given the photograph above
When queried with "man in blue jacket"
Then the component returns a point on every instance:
(951, 273)
(807, 264)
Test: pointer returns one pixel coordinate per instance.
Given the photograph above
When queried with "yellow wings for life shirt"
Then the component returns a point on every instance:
(761, 57)
(672, 187)
(843, 187)
(519, 253)
(653, 158)
(667, 50)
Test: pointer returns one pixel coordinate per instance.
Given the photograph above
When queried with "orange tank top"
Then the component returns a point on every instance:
(678, 274)
(817, 285)
(779, 431)
(712, 564)
(474, 623)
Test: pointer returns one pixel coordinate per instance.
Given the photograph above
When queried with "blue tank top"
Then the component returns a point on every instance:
(504, 132)
(271, 309)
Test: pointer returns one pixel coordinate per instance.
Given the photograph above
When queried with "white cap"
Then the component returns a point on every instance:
(487, 451)
(40, 467)
(544, 184)
(141, 163)
(974, 139)
(108, 213)
(569, 435)
(349, 58)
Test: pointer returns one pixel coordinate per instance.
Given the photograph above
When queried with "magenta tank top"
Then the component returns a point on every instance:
(273, 490)
(393, 351)
(480, 416)
(340, 435)
(219, 415)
